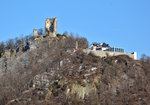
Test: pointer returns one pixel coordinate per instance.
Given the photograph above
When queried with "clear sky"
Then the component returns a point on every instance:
(120, 23)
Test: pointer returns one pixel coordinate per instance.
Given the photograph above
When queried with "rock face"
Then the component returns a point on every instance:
(51, 27)
(47, 74)
(41, 80)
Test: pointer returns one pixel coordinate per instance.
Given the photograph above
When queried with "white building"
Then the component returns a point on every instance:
(102, 49)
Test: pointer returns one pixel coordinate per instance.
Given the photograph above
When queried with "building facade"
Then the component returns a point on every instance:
(103, 49)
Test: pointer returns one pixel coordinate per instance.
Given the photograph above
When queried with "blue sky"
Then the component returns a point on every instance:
(120, 23)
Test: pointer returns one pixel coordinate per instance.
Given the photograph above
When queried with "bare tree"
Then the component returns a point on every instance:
(2, 49)
(10, 44)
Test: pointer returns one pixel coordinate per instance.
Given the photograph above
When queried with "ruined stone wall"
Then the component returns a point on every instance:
(104, 53)
(35, 33)
(51, 27)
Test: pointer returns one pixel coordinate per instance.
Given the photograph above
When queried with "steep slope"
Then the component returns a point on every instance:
(56, 74)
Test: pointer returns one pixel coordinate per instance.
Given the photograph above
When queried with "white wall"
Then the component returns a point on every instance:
(104, 53)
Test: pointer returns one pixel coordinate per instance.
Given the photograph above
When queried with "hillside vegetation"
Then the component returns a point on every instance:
(53, 72)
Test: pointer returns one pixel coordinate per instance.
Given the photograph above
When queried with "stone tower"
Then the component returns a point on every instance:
(35, 33)
(51, 27)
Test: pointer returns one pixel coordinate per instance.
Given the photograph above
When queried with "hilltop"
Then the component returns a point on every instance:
(54, 72)
(55, 69)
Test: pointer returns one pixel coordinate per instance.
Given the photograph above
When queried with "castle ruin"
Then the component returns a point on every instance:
(51, 27)
(35, 33)
(98, 49)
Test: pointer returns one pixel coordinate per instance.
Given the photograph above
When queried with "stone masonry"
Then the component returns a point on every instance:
(35, 33)
(51, 27)
(105, 53)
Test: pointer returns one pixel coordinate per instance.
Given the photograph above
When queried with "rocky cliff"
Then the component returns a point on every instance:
(54, 73)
